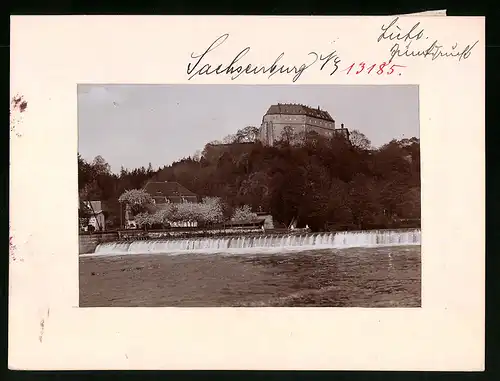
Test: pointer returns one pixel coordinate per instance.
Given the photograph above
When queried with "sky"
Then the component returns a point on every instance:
(134, 125)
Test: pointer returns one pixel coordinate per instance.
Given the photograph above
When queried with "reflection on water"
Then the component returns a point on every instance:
(362, 277)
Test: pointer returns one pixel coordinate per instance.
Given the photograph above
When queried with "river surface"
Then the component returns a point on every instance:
(357, 277)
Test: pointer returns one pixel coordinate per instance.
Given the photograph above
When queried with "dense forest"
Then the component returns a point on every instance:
(326, 183)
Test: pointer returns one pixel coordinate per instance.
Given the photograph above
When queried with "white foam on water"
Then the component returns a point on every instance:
(265, 244)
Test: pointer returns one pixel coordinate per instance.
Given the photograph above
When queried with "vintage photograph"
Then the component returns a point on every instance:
(249, 196)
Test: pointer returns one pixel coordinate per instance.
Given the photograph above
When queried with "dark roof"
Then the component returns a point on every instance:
(167, 189)
(297, 109)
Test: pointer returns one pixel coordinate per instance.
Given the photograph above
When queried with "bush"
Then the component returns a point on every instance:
(243, 213)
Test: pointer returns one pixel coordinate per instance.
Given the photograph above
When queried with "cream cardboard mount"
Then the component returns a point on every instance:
(50, 55)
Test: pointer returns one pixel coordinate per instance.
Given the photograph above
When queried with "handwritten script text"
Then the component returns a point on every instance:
(404, 41)
(235, 68)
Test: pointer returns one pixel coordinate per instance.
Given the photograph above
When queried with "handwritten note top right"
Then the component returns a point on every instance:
(404, 43)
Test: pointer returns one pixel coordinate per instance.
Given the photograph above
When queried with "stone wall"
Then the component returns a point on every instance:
(89, 242)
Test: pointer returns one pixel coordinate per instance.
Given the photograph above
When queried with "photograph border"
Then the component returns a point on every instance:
(41, 314)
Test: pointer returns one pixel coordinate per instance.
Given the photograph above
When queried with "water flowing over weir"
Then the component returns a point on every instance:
(334, 240)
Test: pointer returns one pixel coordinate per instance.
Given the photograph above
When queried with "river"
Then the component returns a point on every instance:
(351, 277)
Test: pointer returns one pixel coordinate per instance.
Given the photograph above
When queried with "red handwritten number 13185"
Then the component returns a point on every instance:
(379, 68)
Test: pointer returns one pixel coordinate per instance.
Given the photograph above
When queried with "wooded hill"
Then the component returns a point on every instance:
(326, 183)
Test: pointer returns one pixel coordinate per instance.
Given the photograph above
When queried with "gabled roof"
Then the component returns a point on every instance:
(95, 206)
(167, 189)
(298, 109)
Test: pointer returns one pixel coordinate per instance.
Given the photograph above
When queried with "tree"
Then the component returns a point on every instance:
(85, 174)
(339, 213)
(363, 201)
(359, 140)
(137, 199)
(287, 135)
(212, 210)
(100, 166)
(150, 219)
(243, 213)
(210, 152)
(248, 134)
(84, 210)
(91, 191)
(255, 190)
(229, 139)
(197, 155)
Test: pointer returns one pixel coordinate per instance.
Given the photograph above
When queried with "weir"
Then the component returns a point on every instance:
(279, 242)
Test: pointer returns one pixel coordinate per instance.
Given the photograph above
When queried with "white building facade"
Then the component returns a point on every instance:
(281, 119)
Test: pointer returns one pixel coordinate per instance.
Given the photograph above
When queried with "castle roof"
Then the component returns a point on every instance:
(298, 109)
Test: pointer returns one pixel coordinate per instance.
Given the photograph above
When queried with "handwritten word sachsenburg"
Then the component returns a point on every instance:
(235, 69)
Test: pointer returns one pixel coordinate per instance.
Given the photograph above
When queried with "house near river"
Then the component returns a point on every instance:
(170, 192)
(163, 194)
(166, 193)
(95, 215)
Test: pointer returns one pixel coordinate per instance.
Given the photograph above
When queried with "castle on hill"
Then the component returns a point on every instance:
(297, 119)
